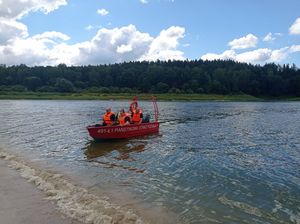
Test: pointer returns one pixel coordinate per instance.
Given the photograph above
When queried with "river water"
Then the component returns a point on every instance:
(212, 162)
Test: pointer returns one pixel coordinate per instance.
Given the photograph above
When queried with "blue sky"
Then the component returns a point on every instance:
(48, 32)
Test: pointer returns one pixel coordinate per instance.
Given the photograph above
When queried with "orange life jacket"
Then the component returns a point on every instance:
(106, 118)
(122, 119)
(136, 117)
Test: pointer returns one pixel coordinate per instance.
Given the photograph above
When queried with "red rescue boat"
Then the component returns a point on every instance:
(127, 131)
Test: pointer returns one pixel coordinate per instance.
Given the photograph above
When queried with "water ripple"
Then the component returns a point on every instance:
(211, 163)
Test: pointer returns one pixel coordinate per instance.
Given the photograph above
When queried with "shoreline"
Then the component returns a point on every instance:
(23, 203)
(27, 189)
(52, 196)
(127, 96)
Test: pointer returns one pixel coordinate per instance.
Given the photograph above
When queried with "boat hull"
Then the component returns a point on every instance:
(121, 132)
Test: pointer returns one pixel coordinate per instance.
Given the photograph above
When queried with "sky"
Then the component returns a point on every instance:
(90, 32)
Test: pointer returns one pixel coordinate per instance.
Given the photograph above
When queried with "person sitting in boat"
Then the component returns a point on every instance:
(137, 116)
(124, 118)
(109, 117)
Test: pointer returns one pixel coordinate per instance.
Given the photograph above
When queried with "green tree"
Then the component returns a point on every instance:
(161, 87)
(32, 82)
(63, 85)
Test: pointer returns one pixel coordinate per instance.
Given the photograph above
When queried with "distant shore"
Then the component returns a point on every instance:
(141, 96)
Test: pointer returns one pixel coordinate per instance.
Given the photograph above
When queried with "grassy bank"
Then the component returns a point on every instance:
(128, 96)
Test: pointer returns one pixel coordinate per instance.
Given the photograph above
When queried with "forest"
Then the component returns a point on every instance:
(197, 76)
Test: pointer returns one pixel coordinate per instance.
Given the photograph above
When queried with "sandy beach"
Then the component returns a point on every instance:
(32, 195)
(22, 203)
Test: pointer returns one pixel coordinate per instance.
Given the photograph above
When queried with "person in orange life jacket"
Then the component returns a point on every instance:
(109, 117)
(124, 118)
(133, 105)
(137, 116)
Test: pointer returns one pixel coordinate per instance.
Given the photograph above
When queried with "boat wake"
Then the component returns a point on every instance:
(74, 201)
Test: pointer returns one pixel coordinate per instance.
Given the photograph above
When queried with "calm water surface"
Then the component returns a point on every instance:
(212, 162)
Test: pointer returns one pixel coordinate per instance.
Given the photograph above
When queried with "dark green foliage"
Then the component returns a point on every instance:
(32, 82)
(15, 88)
(161, 87)
(46, 89)
(174, 90)
(212, 77)
(63, 85)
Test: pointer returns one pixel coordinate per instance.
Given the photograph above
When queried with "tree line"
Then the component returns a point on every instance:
(197, 76)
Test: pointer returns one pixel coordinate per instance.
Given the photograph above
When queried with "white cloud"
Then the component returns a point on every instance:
(89, 27)
(107, 46)
(102, 12)
(114, 45)
(226, 55)
(10, 28)
(295, 28)
(269, 37)
(16, 10)
(34, 50)
(144, 1)
(26, 51)
(51, 35)
(164, 46)
(295, 48)
(10, 13)
(124, 48)
(51, 47)
(244, 42)
(279, 55)
(92, 27)
(258, 56)
(129, 44)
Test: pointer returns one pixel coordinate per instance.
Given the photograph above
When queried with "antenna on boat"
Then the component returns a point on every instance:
(155, 108)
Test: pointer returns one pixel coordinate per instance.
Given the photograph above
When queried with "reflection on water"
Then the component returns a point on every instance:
(213, 162)
(116, 150)
(101, 148)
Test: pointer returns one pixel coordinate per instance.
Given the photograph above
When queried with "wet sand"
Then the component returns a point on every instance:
(22, 203)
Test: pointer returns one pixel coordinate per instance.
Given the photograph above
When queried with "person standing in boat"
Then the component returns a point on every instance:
(124, 118)
(133, 105)
(137, 116)
(109, 117)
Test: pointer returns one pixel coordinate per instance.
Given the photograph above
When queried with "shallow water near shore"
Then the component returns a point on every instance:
(212, 162)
